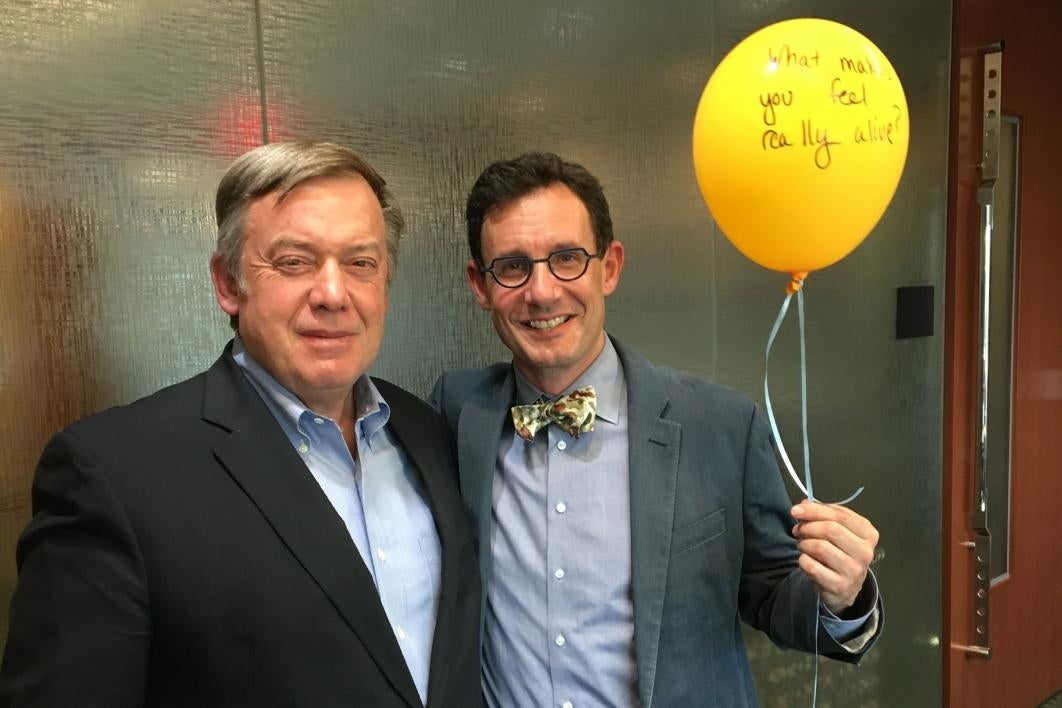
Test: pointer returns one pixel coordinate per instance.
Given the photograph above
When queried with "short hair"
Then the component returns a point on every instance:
(506, 181)
(280, 168)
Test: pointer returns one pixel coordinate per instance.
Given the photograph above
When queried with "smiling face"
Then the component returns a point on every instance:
(555, 329)
(314, 292)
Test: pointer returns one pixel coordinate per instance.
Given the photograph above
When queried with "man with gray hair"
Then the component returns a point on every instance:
(280, 530)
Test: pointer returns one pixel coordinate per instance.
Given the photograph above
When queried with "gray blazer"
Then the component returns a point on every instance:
(710, 524)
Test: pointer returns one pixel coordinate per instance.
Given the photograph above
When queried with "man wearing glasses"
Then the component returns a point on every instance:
(627, 516)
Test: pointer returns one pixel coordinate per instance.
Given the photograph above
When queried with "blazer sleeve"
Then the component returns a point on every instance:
(445, 404)
(453, 388)
(435, 398)
(775, 596)
(80, 629)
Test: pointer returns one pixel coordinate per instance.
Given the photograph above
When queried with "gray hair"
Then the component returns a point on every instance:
(279, 168)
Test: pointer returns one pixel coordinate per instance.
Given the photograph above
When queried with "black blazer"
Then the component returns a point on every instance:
(180, 554)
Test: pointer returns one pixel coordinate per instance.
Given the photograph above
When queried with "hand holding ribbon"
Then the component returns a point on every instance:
(836, 548)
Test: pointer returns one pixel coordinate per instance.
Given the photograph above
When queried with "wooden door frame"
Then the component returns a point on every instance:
(1029, 675)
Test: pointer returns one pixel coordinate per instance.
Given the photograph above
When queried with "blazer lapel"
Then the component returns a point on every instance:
(654, 444)
(479, 431)
(262, 462)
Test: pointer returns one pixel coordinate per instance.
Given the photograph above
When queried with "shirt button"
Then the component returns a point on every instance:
(561, 507)
(560, 640)
(319, 421)
(381, 554)
(558, 573)
(303, 447)
(400, 633)
(562, 445)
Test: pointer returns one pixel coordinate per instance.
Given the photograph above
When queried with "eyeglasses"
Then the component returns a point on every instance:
(513, 271)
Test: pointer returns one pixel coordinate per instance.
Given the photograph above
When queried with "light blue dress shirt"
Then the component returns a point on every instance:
(379, 497)
(560, 616)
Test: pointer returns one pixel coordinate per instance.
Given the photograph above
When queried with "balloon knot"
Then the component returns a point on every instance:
(794, 286)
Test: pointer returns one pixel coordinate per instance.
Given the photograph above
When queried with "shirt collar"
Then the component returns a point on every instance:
(370, 409)
(605, 375)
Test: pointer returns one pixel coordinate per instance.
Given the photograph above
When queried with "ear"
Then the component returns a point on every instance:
(478, 282)
(226, 290)
(612, 265)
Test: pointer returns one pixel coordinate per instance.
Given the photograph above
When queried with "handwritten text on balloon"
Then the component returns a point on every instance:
(852, 86)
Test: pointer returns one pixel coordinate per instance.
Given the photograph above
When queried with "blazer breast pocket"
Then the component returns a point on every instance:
(702, 531)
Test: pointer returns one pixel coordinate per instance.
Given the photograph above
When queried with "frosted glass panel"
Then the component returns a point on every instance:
(119, 117)
(116, 120)
(1001, 345)
(432, 92)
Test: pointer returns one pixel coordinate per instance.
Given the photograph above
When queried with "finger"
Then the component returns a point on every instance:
(853, 569)
(837, 535)
(837, 592)
(817, 511)
(851, 520)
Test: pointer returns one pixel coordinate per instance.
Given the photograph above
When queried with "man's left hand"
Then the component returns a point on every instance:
(836, 547)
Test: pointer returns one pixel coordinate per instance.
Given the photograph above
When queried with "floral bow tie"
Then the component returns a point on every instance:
(574, 413)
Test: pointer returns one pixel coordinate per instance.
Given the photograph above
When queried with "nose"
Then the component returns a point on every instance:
(328, 291)
(541, 287)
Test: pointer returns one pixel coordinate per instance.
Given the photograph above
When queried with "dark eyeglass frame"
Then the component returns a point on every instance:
(548, 260)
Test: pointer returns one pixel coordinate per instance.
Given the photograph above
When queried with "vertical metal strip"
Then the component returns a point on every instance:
(259, 43)
(982, 541)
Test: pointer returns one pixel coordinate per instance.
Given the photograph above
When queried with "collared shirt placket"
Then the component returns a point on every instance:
(560, 556)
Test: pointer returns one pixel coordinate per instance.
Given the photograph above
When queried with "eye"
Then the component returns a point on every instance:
(566, 257)
(364, 266)
(292, 264)
(510, 266)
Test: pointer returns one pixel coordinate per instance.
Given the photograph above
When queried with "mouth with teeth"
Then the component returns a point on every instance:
(548, 324)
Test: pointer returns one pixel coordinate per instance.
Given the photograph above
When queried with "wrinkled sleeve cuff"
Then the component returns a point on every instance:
(855, 634)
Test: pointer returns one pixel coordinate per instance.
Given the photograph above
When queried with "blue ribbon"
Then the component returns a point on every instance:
(806, 486)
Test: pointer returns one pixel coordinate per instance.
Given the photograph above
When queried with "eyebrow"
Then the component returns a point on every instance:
(301, 244)
(571, 245)
(288, 242)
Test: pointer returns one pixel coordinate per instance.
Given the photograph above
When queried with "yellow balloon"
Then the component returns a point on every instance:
(799, 142)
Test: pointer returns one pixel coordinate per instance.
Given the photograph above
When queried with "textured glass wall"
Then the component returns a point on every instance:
(434, 91)
(118, 120)
(115, 122)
